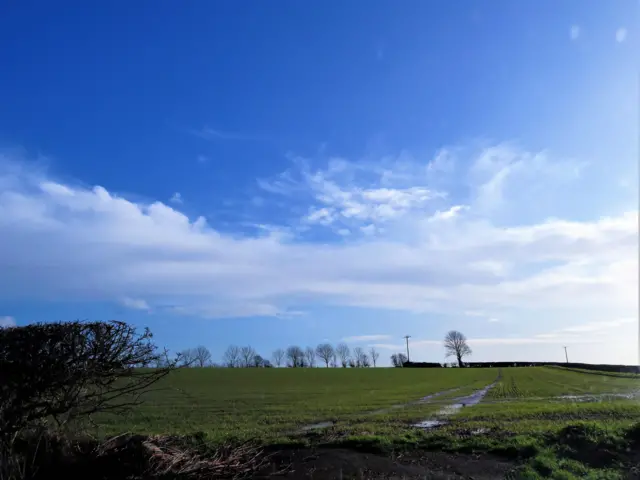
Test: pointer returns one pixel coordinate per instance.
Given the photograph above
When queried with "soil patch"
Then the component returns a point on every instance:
(332, 463)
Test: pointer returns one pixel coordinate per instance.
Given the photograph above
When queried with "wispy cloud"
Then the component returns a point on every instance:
(493, 320)
(7, 321)
(365, 338)
(212, 134)
(621, 35)
(367, 196)
(202, 159)
(134, 303)
(176, 198)
(574, 32)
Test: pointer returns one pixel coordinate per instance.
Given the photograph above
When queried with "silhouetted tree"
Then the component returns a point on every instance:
(202, 356)
(246, 356)
(455, 344)
(187, 357)
(295, 356)
(394, 359)
(66, 370)
(310, 357)
(398, 359)
(258, 361)
(359, 356)
(325, 352)
(231, 357)
(365, 362)
(278, 357)
(374, 355)
(402, 358)
(343, 352)
(334, 361)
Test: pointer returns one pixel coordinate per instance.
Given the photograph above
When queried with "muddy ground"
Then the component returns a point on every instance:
(338, 463)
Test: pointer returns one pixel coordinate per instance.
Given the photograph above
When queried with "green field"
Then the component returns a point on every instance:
(525, 416)
(263, 403)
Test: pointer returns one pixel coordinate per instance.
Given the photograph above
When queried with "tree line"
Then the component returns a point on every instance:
(324, 354)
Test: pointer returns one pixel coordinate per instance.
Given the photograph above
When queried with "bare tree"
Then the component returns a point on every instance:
(163, 360)
(394, 359)
(187, 357)
(295, 356)
(246, 356)
(398, 359)
(365, 361)
(258, 361)
(325, 352)
(402, 358)
(202, 356)
(374, 355)
(278, 357)
(310, 357)
(344, 354)
(359, 356)
(455, 344)
(334, 361)
(63, 371)
(231, 357)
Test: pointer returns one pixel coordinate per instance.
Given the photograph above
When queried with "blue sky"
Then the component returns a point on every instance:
(288, 173)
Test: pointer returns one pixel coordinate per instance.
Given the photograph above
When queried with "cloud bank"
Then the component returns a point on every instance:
(464, 231)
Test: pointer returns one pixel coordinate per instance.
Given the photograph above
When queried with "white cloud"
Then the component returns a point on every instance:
(493, 320)
(365, 338)
(449, 213)
(396, 256)
(213, 134)
(7, 321)
(339, 199)
(135, 303)
(574, 32)
(621, 35)
(176, 198)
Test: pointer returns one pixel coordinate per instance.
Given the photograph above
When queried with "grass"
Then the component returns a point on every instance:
(524, 416)
(267, 403)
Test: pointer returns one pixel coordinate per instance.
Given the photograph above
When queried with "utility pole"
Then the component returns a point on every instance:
(407, 337)
(566, 355)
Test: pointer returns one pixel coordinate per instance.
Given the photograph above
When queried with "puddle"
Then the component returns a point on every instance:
(316, 426)
(426, 399)
(599, 397)
(430, 424)
(460, 403)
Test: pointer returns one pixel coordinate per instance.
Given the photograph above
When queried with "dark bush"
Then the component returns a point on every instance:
(61, 371)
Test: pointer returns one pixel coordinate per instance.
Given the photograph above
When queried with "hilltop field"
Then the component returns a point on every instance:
(534, 422)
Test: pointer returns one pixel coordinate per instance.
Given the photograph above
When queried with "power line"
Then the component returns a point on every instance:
(407, 337)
